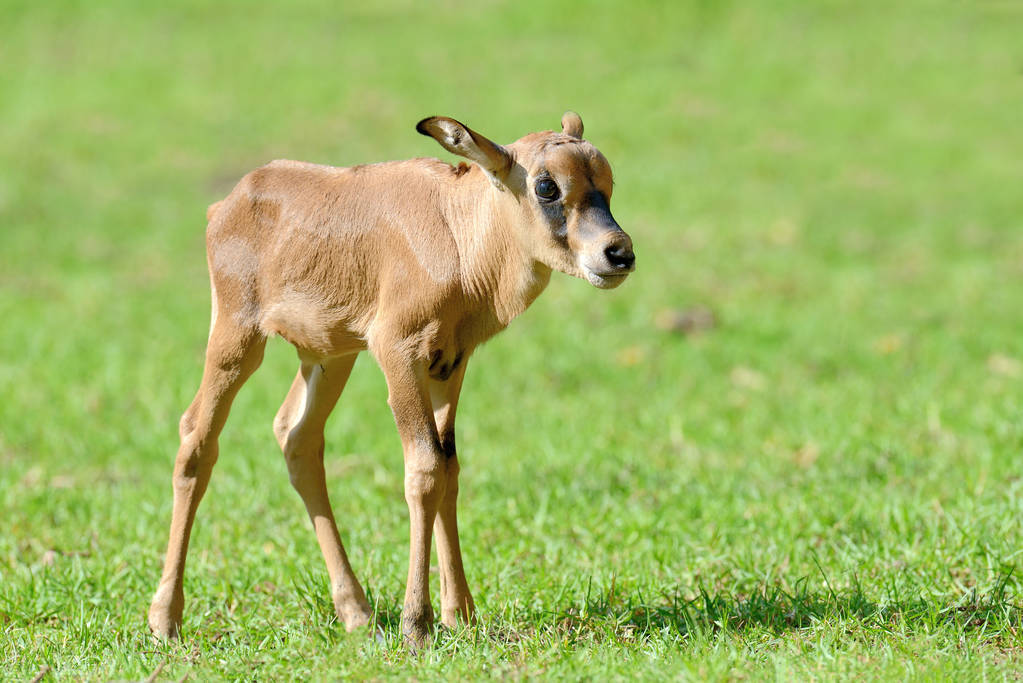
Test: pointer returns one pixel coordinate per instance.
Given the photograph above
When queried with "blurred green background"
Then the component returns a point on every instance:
(821, 481)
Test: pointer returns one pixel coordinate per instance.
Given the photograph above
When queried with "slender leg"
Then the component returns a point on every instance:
(455, 599)
(409, 398)
(299, 429)
(232, 355)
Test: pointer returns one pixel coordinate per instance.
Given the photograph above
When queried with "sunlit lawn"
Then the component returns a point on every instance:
(823, 481)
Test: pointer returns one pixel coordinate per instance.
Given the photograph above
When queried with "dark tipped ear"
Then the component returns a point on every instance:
(465, 142)
(572, 125)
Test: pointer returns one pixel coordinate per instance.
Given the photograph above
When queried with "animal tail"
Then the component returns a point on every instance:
(212, 209)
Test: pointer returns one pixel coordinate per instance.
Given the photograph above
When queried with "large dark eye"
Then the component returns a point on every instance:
(547, 189)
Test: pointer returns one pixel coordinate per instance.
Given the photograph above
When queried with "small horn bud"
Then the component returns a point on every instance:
(572, 125)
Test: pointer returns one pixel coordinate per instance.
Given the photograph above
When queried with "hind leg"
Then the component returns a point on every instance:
(232, 355)
(299, 430)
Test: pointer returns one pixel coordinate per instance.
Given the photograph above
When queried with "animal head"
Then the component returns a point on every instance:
(561, 185)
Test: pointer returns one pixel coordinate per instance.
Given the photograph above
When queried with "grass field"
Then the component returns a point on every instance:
(824, 484)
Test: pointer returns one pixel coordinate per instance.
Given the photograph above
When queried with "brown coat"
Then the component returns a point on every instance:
(417, 261)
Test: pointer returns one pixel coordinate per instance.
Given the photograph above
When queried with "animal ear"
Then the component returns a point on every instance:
(459, 139)
(572, 125)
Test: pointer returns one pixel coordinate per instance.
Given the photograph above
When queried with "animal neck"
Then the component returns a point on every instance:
(497, 266)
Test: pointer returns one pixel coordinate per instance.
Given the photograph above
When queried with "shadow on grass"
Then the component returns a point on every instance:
(610, 615)
(774, 609)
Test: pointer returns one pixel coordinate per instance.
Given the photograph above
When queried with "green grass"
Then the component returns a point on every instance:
(824, 485)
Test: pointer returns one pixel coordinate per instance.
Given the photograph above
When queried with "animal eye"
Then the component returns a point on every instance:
(547, 189)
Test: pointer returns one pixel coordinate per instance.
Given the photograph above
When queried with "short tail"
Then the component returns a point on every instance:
(212, 209)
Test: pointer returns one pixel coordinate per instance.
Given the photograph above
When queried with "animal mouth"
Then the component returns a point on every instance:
(606, 280)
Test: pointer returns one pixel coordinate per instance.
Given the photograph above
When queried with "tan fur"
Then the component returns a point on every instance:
(417, 261)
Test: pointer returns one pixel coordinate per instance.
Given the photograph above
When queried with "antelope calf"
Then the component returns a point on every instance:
(417, 261)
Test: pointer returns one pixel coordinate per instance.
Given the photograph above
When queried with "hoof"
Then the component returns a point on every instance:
(164, 627)
(352, 610)
(165, 614)
(456, 617)
(417, 631)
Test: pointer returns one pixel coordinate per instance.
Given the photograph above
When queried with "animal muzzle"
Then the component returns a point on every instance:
(619, 253)
(607, 265)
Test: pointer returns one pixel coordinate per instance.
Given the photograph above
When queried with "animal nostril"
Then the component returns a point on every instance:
(620, 256)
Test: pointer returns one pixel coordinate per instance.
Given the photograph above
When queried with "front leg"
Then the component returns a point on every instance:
(408, 396)
(455, 600)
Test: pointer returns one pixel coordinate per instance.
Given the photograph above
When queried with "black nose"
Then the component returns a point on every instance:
(620, 256)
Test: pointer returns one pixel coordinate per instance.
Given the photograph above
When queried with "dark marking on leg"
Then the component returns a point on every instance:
(435, 358)
(447, 444)
(440, 370)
